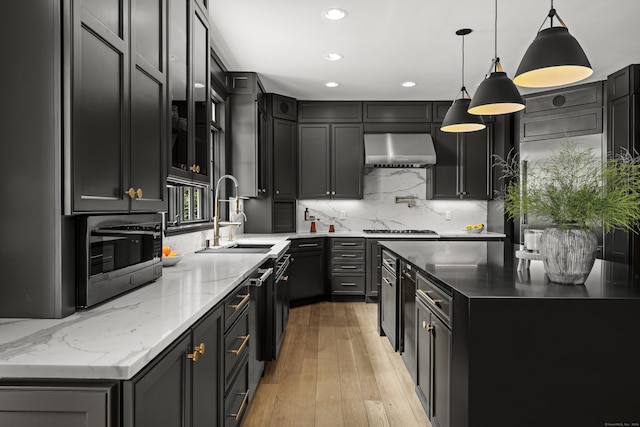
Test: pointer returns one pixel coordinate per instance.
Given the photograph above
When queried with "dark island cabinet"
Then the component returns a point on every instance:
(59, 405)
(331, 161)
(116, 99)
(189, 94)
(463, 167)
(623, 135)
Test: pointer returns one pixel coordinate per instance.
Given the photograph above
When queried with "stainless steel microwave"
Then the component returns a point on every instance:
(117, 253)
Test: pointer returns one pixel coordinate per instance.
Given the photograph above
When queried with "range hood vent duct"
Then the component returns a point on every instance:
(399, 150)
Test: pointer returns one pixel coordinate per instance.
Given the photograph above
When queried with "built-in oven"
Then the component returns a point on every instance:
(117, 253)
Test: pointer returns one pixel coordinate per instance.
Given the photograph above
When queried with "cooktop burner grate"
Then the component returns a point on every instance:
(401, 231)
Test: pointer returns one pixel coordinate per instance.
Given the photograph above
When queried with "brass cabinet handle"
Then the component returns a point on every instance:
(194, 356)
(348, 267)
(435, 302)
(308, 245)
(238, 350)
(133, 193)
(348, 255)
(242, 302)
(348, 244)
(347, 284)
(327, 192)
(427, 326)
(277, 191)
(241, 408)
(194, 168)
(385, 280)
(285, 278)
(200, 348)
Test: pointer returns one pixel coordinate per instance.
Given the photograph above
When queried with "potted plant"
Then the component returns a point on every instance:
(576, 193)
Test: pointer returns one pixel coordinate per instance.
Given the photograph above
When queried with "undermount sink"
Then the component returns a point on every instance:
(239, 248)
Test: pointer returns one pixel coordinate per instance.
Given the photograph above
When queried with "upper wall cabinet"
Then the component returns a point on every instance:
(562, 113)
(189, 92)
(329, 111)
(396, 111)
(116, 82)
(250, 156)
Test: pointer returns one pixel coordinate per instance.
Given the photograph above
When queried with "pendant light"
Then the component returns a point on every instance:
(458, 118)
(496, 94)
(554, 58)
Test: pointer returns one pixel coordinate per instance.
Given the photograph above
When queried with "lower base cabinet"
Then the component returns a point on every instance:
(59, 405)
(307, 271)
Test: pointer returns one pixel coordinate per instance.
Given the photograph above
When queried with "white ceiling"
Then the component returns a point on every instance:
(386, 42)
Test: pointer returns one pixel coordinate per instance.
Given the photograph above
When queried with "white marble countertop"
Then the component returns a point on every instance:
(354, 233)
(117, 339)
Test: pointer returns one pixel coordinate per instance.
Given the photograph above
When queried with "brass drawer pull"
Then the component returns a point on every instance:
(348, 244)
(308, 245)
(200, 348)
(435, 302)
(348, 267)
(427, 326)
(244, 402)
(385, 280)
(348, 255)
(348, 284)
(242, 302)
(285, 278)
(133, 193)
(194, 168)
(238, 350)
(193, 356)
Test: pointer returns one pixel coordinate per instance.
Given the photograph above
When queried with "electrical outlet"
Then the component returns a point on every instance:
(447, 215)
(343, 215)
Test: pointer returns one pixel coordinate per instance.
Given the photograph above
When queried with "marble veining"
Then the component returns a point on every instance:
(378, 210)
(118, 338)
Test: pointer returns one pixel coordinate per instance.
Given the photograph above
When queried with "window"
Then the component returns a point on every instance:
(187, 204)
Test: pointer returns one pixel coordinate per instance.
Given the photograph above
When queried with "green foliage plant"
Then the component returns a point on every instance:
(575, 187)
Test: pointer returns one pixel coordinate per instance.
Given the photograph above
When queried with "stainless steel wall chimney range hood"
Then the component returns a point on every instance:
(399, 150)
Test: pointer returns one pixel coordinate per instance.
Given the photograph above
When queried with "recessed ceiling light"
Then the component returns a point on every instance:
(335, 14)
(409, 84)
(333, 57)
(332, 84)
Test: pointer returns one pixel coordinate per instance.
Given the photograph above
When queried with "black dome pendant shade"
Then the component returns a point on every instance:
(458, 118)
(554, 58)
(496, 94)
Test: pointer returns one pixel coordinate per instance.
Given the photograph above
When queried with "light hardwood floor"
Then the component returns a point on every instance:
(335, 370)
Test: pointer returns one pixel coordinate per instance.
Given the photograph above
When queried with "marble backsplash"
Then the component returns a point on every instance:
(378, 209)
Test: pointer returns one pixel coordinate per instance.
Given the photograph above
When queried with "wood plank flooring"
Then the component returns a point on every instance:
(335, 370)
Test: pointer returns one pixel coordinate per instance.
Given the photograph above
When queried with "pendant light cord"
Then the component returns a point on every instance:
(552, 14)
(495, 31)
(463, 64)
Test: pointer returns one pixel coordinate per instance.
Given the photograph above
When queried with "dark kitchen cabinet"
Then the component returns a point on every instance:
(59, 405)
(347, 267)
(182, 386)
(307, 271)
(251, 158)
(285, 160)
(189, 92)
(561, 113)
(389, 294)
(329, 111)
(117, 91)
(623, 134)
(331, 161)
(396, 111)
(463, 165)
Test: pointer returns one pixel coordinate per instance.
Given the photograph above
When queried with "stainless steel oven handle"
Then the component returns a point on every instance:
(260, 280)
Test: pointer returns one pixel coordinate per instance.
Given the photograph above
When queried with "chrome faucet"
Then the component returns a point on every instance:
(217, 222)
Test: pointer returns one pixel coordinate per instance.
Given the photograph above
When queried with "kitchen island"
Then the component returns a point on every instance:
(521, 351)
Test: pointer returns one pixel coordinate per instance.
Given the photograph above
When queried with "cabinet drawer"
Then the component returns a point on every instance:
(236, 401)
(236, 346)
(347, 243)
(235, 303)
(347, 255)
(347, 267)
(434, 297)
(353, 285)
(306, 244)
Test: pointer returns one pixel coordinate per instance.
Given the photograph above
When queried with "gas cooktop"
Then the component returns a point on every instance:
(401, 231)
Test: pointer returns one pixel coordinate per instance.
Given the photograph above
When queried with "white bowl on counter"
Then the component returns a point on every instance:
(170, 261)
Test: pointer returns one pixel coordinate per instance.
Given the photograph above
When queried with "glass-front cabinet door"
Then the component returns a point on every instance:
(189, 146)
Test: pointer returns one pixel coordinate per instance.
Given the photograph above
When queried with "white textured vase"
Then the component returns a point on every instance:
(568, 253)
